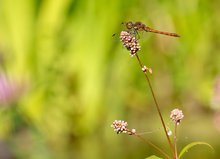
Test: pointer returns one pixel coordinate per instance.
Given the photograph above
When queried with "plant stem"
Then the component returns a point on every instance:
(154, 146)
(157, 106)
(175, 147)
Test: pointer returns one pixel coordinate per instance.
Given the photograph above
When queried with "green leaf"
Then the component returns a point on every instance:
(153, 157)
(187, 147)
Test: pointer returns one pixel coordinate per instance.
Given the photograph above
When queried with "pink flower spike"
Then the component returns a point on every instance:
(120, 126)
(130, 42)
(176, 116)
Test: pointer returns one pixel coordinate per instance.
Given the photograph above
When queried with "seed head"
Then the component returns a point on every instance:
(130, 42)
(176, 116)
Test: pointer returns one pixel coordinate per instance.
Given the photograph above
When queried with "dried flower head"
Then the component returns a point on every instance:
(145, 69)
(176, 116)
(120, 126)
(130, 42)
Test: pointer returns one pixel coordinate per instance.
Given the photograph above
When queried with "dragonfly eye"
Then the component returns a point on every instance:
(129, 25)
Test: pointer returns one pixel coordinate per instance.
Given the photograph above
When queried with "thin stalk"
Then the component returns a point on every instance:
(174, 139)
(157, 106)
(154, 146)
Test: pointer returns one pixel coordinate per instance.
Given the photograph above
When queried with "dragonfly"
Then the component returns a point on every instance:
(134, 27)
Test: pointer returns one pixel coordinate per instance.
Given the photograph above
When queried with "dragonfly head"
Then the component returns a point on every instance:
(129, 25)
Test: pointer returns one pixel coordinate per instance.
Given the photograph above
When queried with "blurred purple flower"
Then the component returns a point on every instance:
(216, 94)
(9, 90)
(216, 120)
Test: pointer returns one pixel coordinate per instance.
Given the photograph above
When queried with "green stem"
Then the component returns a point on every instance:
(154, 146)
(175, 147)
(157, 106)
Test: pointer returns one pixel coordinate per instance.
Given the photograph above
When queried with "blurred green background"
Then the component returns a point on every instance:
(71, 79)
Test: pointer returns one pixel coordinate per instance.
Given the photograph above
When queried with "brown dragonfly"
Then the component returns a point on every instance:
(134, 27)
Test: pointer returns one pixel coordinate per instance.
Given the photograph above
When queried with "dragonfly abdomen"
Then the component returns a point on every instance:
(148, 29)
